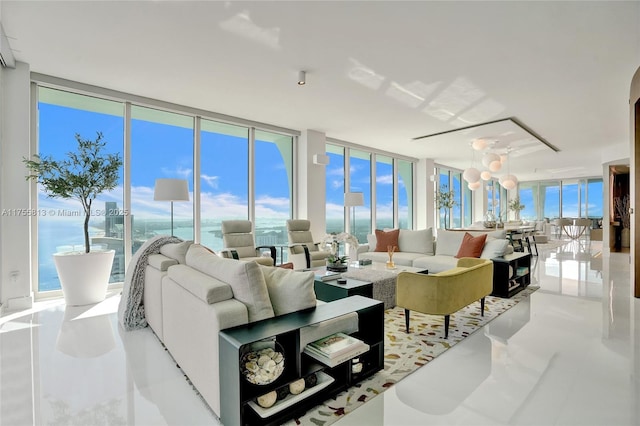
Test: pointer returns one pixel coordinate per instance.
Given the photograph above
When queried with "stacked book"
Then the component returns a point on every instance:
(336, 349)
(324, 275)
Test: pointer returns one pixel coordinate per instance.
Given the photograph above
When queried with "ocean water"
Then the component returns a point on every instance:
(66, 235)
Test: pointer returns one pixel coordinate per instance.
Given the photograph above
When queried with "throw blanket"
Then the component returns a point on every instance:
(131, 310)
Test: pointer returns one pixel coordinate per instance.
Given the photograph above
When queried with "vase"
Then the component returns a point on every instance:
(390, 251)
(489, 220)
(625, 237)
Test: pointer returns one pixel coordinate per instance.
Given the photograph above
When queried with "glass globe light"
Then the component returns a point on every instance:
(494, 166)
(485, 175)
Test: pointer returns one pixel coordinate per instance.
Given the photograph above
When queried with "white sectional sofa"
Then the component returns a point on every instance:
(190, 294)
(420, 249)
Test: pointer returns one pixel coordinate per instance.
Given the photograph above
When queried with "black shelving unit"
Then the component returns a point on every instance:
(236, 392)
(511, 274)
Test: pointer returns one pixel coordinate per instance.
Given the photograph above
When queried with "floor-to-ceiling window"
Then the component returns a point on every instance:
(392, 190)
(550, 199)
(224, 178)
(384, 192)
(594, 199)
(161, 147)
(273, 183)
(405, 194)
(570, 199)
(62, 115)
(360, 181)
(335, 177)
(461, 213)
(245, 172)
(553, 199)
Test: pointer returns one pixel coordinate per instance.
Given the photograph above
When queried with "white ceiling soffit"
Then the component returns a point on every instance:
(507, 135)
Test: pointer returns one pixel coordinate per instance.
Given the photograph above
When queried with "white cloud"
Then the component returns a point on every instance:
(385, 179)
(212, 181)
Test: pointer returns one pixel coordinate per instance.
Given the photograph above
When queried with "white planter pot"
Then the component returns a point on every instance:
(84, 277)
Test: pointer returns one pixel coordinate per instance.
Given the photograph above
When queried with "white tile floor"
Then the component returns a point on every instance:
(569, 355)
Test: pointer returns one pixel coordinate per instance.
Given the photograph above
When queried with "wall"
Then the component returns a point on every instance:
(424, 194)
(634, 143)
(14, 223)
(311, 182)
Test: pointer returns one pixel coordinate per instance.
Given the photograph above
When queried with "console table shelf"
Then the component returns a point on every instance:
(511, 274)
(236, 392)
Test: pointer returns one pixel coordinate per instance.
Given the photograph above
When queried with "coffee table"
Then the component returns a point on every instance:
(328, 291)
(383, 279)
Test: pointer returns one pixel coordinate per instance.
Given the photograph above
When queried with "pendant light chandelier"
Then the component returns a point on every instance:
(508, 181)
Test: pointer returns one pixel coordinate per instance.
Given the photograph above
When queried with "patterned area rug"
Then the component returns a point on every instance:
(405, 353)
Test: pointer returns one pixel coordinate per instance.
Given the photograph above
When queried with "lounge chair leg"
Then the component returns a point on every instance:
(406, 319)
(482, 307)
(446, 326)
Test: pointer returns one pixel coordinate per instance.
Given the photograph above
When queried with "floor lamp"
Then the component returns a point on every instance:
(171, 190)
(353, 200)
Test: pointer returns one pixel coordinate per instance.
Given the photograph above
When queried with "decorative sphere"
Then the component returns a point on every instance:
(479, 144)
(509, 182)
(485, 175)
(494, 166)
(474, 185)
(471, 175)
(490, 157)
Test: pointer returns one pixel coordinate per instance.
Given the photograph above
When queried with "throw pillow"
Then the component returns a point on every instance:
(471, 246)
(448, 242)
(289, 291)
(420, 241)
(244, 278)
(386, 239)
(371, 242)
(176, 251)
(494, 248)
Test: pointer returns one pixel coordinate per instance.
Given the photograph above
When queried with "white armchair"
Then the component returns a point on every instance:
(239, 243)
(303, 251)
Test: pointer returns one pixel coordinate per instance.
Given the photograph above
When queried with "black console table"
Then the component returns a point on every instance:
(236, 393)
(511, 274)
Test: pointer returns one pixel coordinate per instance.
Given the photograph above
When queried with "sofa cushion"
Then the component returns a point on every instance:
(471, 246)
(386, 239)
(289, 291)
(160, 261)
(448, 242)
(203, 286)
(176, 251)
(400, 258)
(494, 248)
(420, 241)
(435, 264)
(245, 278)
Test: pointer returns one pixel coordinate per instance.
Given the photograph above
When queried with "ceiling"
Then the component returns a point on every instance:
(379, 74)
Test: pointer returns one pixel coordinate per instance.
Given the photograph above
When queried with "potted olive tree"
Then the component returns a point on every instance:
(516, 207)
(82, 175)
(445, 201)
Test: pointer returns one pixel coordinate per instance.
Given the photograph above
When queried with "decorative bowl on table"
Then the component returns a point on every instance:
(262, 363)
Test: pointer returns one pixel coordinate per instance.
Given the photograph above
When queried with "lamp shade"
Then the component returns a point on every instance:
(353, 199)
(485, 175)
(171, 190)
